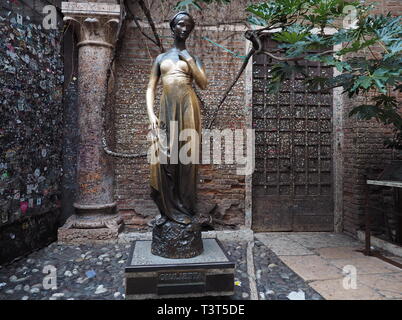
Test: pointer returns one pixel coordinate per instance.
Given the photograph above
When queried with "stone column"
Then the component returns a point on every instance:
(95, 219)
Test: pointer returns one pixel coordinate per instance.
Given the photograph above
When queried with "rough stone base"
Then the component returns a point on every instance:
(176, 241)
(78, 230)
(148, 276)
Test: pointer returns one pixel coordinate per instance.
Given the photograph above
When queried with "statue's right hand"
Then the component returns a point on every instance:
(154, 121)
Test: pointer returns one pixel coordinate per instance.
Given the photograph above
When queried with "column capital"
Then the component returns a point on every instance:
(95, 24)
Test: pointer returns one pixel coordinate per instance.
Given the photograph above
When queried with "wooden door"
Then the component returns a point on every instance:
(292, 182)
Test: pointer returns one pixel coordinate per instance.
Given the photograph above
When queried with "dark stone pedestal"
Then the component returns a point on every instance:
(148, 276)
(176, 241)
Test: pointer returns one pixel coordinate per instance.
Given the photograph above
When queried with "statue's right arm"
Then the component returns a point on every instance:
(150, 95)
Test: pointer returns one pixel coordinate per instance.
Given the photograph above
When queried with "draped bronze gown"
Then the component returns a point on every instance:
(174, 185)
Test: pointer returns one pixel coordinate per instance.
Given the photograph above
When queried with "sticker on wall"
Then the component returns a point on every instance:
(30, 142)
(4, 216)
(24, 206)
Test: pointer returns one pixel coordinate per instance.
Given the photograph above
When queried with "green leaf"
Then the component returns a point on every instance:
(391, 29)
(343, 35)
(281, 72)
(386, 101)
(362, 81)
(393, 49)
(256, 21)
(289, 37)
(357, 46)
(332, 61)
(181, 5)
(365, 112)
(316, 83)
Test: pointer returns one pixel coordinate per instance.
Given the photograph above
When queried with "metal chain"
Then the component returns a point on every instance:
(119, 154)
(123, 17)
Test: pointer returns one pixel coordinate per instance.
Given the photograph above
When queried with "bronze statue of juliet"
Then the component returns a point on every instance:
(176, 234)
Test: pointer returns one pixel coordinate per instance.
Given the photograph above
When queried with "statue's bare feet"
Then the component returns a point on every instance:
(183, 219)
(186, 220)
(160, 221)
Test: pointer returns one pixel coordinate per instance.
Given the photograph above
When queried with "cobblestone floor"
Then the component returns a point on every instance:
(276, 281)
(96, 272)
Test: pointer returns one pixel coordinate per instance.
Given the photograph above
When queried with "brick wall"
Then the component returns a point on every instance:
(363, 150)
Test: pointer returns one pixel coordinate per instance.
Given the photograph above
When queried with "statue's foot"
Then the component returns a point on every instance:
(160, 221)
(184, 220)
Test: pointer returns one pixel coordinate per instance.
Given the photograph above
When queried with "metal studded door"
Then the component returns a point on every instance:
(292, 181)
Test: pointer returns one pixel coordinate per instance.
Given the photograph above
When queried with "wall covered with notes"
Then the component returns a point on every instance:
(31, 128)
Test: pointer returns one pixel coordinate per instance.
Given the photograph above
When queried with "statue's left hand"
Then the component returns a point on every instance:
(184, 55)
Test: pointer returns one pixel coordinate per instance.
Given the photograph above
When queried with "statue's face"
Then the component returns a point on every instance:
(183, 27)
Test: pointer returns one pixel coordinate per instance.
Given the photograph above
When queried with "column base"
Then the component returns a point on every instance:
(90, 229)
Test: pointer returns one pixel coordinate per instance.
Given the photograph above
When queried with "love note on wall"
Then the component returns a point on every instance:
(24, 206)
(32, 159)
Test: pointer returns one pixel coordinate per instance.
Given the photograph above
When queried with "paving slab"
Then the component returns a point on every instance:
(389, 285)
(334, 290)
(340, 252)
(323, 271)
(282, 245)
(366, 265)
(314, 240)
(275, 280)
(394, 258)
(312, 267)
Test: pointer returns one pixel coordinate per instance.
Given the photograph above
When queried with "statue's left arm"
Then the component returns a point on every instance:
(197, 69)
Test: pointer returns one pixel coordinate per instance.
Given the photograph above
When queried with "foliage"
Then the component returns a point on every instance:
(301, 27)
(302, 35)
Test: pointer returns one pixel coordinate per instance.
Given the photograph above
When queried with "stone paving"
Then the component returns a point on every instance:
(332, 265)
(83, 272)
(286, 266)
(97, 272)
(276, 281)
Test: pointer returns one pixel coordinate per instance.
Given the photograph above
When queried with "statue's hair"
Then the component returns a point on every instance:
(176, 17)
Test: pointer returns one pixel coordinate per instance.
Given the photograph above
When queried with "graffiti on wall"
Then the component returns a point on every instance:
(31, 77)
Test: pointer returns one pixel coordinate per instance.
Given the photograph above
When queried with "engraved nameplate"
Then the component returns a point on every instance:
(181, 282)
(180, 277)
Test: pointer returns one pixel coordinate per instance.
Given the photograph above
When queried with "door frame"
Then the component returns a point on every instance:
(337, 142)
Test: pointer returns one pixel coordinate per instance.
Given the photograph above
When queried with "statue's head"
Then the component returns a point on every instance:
(182, 24)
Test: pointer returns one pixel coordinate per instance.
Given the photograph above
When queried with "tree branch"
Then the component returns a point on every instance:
(151, 23)
(245, 62)
(134, 18)
(294, 58)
